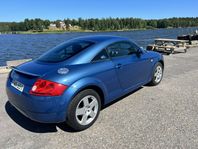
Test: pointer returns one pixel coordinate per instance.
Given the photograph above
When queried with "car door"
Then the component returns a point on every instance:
(132, 69)
(104, 71)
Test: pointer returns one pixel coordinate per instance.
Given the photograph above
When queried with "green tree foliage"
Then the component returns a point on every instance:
(99, 24)
(57, 22)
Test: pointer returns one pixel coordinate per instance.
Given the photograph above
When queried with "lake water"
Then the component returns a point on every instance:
(13, 47)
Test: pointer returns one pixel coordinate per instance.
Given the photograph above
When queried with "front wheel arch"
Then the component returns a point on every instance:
(152, 81)
(162, 62)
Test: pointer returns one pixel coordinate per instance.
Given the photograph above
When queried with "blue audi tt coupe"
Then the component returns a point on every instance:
(71, 82)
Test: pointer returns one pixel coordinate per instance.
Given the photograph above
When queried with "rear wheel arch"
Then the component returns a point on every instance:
(86, 83)
(95, 88)
(76, 121)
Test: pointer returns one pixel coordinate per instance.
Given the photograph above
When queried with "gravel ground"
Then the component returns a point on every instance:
(165, 116)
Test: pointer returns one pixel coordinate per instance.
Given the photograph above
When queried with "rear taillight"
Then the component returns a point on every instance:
(47, 88)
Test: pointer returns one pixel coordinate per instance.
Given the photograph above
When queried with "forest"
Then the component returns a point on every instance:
(104, 24)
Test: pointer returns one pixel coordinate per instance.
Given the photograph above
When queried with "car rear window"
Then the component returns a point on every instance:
(65, 51)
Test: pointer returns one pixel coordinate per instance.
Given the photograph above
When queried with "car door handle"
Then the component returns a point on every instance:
(118, 66)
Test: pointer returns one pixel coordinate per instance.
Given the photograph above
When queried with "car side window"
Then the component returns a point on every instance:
(121, 49)
(130, 48)
(114, 50)
(101, 56)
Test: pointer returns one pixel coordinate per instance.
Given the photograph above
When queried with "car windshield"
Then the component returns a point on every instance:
(65, 51)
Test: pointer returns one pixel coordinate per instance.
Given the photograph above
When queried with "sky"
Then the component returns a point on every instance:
(18, 10)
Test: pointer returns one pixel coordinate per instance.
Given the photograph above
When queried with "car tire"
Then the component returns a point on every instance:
(157, 74)
(83, 110)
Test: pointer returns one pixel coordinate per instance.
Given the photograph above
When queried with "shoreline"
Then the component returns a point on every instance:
(82, 31)
(76, 31)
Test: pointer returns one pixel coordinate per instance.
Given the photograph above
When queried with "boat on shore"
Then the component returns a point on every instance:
(190, 37)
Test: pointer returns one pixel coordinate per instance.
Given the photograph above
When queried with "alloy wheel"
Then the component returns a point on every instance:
(86, 110)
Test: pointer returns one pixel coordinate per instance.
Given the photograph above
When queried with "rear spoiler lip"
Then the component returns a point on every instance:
(24, 72)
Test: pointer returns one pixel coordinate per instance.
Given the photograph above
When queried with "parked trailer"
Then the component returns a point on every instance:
(168, 46)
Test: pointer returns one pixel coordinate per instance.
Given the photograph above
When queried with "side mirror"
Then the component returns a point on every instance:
(139, 52)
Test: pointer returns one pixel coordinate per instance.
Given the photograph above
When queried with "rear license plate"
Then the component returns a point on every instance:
(19, 86)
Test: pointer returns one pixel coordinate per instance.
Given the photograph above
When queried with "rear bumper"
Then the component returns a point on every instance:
(40, 109)
(42, 117)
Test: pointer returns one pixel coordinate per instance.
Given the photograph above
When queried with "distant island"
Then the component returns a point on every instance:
(105, 24)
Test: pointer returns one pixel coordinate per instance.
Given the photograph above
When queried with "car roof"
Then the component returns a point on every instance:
(101, 41)
(101, 38)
